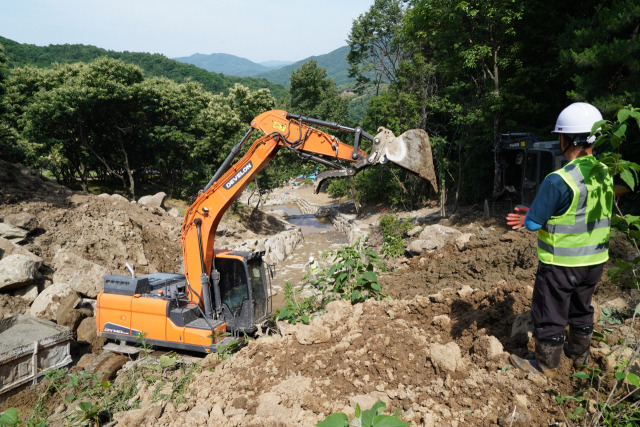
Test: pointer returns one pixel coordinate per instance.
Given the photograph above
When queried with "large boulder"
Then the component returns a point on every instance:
(7, 248)
(18, 270)
(11, 233)
(434, 237)
(23, 220)
(88, 332)
(85, 277)
(155, 201)
(47, 304)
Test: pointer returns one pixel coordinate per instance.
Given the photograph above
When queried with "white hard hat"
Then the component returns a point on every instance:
(578, 118)
(311, 259)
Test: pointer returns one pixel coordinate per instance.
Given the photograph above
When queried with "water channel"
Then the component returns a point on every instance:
(319, 236)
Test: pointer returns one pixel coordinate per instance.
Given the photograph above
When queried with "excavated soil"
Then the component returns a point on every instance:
(438, 350)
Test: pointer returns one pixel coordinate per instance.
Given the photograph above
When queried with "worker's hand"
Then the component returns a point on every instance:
(516, 219)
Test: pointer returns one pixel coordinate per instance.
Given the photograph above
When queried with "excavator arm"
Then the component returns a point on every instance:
(411, 150)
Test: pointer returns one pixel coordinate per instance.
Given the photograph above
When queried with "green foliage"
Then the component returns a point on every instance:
(338, 188)
(368, 418)
(352, 275)
(613, 134)
(105, 120)
(313, 94)
(225, 351)
(296, 309)
(605, 55)
(9, 417)
(393, 231)
(154, 65)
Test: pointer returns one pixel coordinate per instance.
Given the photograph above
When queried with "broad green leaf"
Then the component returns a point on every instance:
(167, 361)
(9, 417)
(357, 413)
(378, 407)
(375, 285)
(370, 276)
(620, 130)
(335, 420)
(388, 421)
(367, 417)
(628, 178)
(582, 375)
(620, 376)
(633, 379)
(623, 115)
(559, 399)
(85, 406)
(305, 319)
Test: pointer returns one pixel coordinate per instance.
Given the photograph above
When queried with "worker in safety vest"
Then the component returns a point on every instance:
(314, 268)
(572, 215)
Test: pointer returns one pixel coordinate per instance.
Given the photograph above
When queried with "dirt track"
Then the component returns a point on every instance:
(439, 351)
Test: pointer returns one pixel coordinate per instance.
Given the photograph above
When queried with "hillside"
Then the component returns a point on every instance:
(20, 55)
(334, 62)
(230, 65)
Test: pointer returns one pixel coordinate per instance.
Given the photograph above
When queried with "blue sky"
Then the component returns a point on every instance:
(259, 30)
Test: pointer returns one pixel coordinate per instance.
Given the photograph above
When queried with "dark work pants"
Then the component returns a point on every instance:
(561, 296)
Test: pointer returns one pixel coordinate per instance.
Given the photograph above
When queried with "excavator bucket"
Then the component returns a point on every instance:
(411, 150)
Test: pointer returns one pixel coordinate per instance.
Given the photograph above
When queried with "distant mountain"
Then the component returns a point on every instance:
(276, 64)
(334, 62)
(275, 71)
(224, 63)
(20, 55)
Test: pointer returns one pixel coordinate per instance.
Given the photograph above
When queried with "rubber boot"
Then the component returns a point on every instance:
(578, 346)
(548, 355)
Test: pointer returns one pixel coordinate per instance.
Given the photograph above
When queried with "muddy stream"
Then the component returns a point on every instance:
(319, 236)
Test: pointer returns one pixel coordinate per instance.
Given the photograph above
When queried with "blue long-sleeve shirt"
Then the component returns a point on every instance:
(553, 199)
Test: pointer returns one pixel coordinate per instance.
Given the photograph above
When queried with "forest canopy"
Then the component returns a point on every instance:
(465, 71)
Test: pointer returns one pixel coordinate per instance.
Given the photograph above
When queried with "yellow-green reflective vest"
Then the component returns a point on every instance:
(314, 267)
(580, 236)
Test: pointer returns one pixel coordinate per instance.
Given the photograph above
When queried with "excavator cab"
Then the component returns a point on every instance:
(521, 164)
(244, 289)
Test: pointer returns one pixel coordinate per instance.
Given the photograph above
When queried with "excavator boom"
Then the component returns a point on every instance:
(220, 289)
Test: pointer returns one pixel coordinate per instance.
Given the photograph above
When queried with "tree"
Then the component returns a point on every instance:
(603, 49)
(375, 51)
(314, 94)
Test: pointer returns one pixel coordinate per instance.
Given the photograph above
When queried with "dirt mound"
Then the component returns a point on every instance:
(438, 358)
(439, 352)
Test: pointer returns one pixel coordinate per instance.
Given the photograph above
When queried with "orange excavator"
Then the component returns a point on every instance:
(225, 292)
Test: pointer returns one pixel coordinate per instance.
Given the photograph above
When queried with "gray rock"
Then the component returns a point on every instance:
(414, 231)
(174, 212)
(11, 233)
(85, 277)
(119, 197)
(17, 271)
(153, 201)
(47, 303)
(7, 248)
(433, 237)
(23, 220)
(28, 293)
